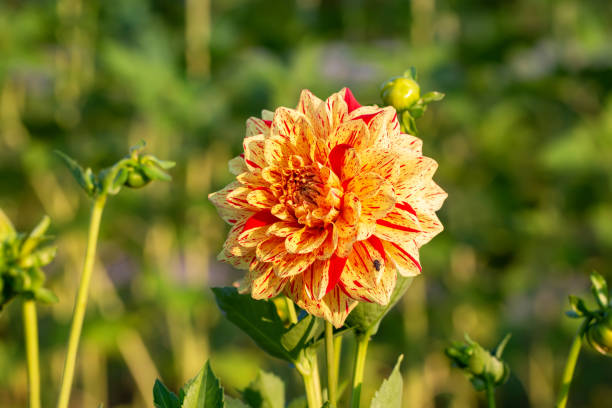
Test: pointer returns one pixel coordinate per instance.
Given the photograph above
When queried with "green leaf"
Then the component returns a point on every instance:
(389, 395)
(204, 391)
(6, 227)
(599, 289)
(85, 178)
(260, 320)
(164, 164)
(432, 97)
(45, 295)
(35, 237)
(411, 73)
(266, 391)
(301, 334)
(578, 306)
(234, 403)
(499, 350)
(417, 110)
(366, 317)
(163, 397)
(38, 258)
(572, 314)
(155, 173)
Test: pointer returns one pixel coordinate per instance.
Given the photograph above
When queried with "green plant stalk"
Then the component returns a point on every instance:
(490, 394)
(361, 352)
(570, 366)
(30, 324)
(316, 379)
(332, 379)
(310, 390)
(337, 355)
(308, 368)
(81, 302)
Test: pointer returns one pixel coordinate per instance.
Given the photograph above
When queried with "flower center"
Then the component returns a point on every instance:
(313, 201)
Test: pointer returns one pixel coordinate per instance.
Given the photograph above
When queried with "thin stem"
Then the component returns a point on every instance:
(316, 380)
(490, 394)
(291, 309)
(81, 302)
(360, 359)
(570, 365)
(332, 379)
(337, 355)
(30, 324)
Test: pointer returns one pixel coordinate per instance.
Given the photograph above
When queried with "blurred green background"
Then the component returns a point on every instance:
(523, 138)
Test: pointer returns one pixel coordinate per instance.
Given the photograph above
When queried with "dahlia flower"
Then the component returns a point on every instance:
(330, 203)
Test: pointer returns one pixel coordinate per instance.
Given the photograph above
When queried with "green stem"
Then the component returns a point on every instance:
(570, 365)
(490, 394)
(332, 379)
(30, 324)
(316, 379)
(337, 355)
(310, 390)
(291, 309)
(81, 302)
(308, 368)
(360, 359)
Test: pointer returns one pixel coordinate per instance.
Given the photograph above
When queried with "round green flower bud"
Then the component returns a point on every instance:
(478, 360)
(400, 92)
(137, 179)
(599, 335)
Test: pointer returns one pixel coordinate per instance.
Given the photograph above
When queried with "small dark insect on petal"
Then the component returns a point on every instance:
(377, 264)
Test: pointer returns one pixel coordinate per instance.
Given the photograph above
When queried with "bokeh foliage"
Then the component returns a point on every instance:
(523, 138)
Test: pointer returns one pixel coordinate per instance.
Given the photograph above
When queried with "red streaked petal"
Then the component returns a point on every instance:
(259, 220)
(367, 118)
(405, 253)
(350, 100)
(406, 207)
(396, 226)
(336, 158)
(377, 244)
(336, 266)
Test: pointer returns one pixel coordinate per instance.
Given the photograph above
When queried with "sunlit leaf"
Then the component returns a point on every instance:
(389, 395)
(204, 391)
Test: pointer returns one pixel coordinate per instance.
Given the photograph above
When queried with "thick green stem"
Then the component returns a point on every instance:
(308, 368)
(30, 324)
(570, 366)
(310, 390)
(490, 394)
(360, 358)
(81, 302)
(332, 379)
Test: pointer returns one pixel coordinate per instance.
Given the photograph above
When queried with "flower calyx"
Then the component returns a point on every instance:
(597, 323)
(21, 258)
(136, 170)
(483, 367)
(404, 94)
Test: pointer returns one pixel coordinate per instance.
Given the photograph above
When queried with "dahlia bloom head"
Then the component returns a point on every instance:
(330, 203)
